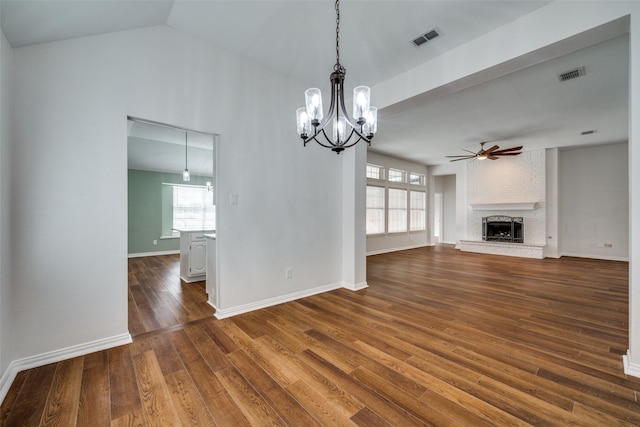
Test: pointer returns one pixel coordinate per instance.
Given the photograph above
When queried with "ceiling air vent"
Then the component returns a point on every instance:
(572, 74)
(426, 37)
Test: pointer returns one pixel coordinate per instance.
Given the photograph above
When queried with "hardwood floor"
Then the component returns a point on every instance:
(158, 299)
(440, 337)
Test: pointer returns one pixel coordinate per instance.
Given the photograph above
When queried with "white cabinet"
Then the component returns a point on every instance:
(198, 258)
(193, 255)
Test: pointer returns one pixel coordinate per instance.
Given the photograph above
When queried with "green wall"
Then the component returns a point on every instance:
(145, 209)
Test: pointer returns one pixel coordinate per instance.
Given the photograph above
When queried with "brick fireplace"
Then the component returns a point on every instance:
(508, 187)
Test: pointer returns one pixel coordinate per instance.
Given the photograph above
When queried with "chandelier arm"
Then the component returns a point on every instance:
(360, 138)
(326, 137)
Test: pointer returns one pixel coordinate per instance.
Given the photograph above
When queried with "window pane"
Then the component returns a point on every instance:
(375, 171)
(375, 210)
(418, 217)
(416, 179)
(397, 210)
(193, 208)
(396, 175)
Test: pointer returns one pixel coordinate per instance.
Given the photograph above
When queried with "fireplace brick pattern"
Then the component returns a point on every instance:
(509, 180)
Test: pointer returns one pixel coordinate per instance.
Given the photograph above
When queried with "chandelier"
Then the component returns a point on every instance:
(345, 134)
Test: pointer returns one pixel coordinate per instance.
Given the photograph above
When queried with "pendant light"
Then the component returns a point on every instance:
(186, 176)
(311, 125)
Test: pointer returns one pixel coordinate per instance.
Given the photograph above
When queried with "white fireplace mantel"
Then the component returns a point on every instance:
(508, 206)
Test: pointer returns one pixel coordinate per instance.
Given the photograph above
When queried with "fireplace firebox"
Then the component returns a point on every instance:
(500, 228)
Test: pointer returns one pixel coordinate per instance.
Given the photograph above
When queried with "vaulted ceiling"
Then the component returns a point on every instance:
(529, 107)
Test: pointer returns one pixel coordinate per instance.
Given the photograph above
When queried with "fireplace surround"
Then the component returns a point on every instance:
(500, 228)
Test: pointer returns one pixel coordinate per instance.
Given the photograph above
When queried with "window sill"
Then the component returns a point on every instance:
(169, 237)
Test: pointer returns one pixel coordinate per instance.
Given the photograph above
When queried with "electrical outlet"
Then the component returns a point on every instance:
(288, 273)
(155, 243)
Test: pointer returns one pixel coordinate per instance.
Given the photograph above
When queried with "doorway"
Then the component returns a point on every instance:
(172, 186)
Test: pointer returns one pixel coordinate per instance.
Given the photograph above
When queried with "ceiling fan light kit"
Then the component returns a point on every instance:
(493, 153)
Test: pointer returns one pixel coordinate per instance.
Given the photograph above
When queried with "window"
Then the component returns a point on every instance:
(375, 210)
(397, 204)
(375, 171)
(417, 212)
(397, 210)
(193, 208)
(417, 179)
(396, 175)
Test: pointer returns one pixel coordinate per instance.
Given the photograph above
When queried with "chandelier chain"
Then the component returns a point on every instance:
(338, 67)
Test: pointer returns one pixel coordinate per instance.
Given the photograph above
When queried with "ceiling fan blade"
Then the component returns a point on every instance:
(506, 150)
(505, 154)
(491, 157)
(490, 150)
(463, 158)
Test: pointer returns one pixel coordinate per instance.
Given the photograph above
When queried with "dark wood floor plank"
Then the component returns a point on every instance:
(253, 406)
(12, 395)
(282, 402)
(440, 337)
(218, 401)
(64, 396)
(123, 388)
(94, 408)
(155, 397)
(388, 410)
(32, 398)
(188, 402)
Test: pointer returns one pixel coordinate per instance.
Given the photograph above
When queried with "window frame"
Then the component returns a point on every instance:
(384, 210)
(409, 188)
(381, 170)
(423, 210)
(404, 209)
(402, 176)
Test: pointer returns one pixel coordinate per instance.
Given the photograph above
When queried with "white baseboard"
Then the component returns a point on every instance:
(632, 369)
(143, 254)
(355, 286)
(56, 356)
(223, 313)
(403, 248)
(592, 256)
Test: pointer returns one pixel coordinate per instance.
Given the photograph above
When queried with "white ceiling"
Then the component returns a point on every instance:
(529, 107)
(160, 148)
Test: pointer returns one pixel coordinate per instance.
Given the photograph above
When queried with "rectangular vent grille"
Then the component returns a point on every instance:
(426, 37)
(572, 74)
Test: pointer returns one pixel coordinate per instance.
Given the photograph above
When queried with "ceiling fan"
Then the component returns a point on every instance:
(492, 153)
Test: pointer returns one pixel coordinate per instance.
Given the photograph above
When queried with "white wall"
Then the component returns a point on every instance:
(6, 99)
(449, 197)
(72, 99)
(398, 241)
(552, 249)
(632, 359)
(594, 201)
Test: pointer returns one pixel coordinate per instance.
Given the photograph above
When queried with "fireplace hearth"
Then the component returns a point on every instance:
(499, 228)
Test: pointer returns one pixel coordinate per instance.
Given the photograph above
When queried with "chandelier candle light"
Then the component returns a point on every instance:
(311, 125)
